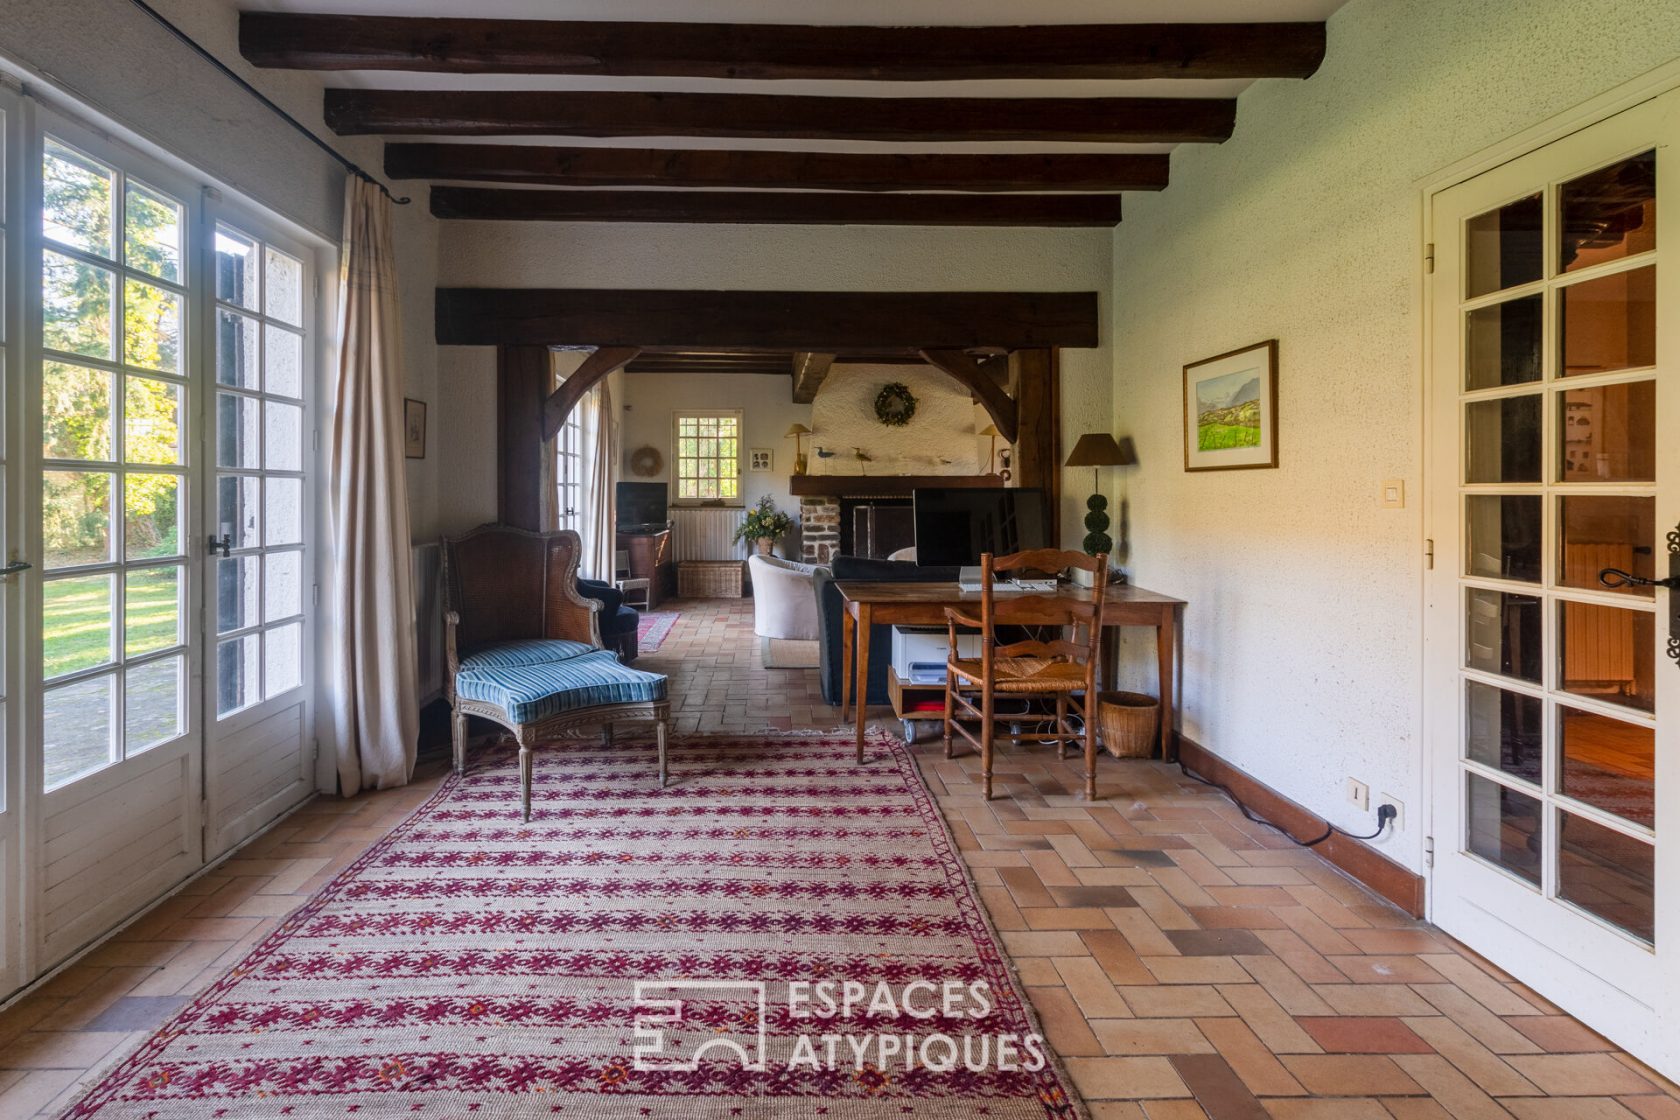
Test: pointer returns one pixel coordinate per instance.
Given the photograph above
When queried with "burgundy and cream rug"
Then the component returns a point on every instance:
(653, 629)
(779, 932)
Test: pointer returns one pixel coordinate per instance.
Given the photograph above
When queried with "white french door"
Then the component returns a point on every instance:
(1553, 699)
(157, 530)
(260, 589)
(110, 410)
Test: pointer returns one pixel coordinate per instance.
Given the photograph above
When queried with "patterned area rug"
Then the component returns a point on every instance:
(779, 932)
(653, 629)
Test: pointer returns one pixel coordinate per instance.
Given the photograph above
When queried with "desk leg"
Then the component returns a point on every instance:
(847, 625)
(1165, 636)
(864, 626)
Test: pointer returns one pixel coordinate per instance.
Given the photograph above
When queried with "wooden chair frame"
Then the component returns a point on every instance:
(1075, 697)
(532, 593)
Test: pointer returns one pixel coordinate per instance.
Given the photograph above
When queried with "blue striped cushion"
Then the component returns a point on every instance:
(528, 693)
(532, 651)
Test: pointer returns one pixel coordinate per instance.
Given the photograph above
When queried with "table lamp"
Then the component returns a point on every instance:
(797, 431)
(1098, 450)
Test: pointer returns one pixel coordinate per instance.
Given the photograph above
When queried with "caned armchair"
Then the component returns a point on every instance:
(523, 647)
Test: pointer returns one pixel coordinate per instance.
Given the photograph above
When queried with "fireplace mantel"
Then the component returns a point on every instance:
(881, 485)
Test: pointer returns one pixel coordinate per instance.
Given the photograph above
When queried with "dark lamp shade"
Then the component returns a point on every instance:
(1098, 449)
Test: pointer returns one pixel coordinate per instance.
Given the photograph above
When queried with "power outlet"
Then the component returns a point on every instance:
(1359, 793)
(1399, 824)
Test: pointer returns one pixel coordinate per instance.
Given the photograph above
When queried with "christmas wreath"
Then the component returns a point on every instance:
(894, 406)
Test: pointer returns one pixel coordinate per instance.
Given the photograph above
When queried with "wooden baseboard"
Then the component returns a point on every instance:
(1390, 880)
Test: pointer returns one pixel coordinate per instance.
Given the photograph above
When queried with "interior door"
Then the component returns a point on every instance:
(1553, 698)
(12, 783)
(261, 589)
(109, 451)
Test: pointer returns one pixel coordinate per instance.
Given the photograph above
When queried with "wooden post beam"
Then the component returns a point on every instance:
(475, 45)
(522, 374)
(1038, 459)
(978, 379)
(809, 371)
(593, 368)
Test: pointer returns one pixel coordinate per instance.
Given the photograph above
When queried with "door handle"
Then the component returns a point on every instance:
(15, 567)
(224, 542)
(1615, 577)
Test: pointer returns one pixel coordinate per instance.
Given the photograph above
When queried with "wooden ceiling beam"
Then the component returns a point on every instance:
(1099, 172)
(465, 45)
(842, 322)
(810, 370)
(777, 207)
(1133, 120)
(980, 380)
(589, 372)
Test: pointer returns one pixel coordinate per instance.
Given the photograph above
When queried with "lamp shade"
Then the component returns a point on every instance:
(796, 430)
(1098, 449)
(989, 430)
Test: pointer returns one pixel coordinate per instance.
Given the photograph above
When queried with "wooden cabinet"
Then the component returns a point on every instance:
(650, 559)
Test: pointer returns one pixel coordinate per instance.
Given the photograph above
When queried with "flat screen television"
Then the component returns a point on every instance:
(954, 526)
(642, 506)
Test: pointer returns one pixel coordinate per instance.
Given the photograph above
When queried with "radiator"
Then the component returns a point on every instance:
(706, 534)
(426, 564)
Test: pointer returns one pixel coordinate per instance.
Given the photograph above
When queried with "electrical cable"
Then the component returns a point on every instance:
(1385, 813)
(193, 44)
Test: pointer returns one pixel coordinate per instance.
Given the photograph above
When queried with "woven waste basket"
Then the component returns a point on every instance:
(1127, 723)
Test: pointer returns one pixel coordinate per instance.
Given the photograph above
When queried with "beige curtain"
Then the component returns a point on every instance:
(373, 692)
(600, 436)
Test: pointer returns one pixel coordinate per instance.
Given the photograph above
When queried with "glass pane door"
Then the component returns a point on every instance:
(258, 706)
(1558, 491)
(1551, 690)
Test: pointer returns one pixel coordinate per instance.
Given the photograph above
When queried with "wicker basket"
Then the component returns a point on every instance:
(709, 579)
(1127, 723)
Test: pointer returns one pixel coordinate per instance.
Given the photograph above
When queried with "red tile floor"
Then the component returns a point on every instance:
(1185, 962)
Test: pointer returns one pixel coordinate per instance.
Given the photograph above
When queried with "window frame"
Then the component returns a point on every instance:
(738, 501)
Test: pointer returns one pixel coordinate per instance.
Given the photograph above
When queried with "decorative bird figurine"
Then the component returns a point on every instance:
(822, 454)
(863, 456)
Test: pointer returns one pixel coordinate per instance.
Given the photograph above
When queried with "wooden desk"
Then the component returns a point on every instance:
(865, 605)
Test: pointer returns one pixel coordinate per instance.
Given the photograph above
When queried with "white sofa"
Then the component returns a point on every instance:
(785, 611)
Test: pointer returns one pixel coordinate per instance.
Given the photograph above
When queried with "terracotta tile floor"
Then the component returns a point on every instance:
(1185, 962)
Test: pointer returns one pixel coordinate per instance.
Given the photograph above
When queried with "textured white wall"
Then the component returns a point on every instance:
(840, 258)
(111, 57)
(1303, 635)
(843, 418)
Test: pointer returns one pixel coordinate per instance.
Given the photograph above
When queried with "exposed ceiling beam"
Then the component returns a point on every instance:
(591, 370)
(979, 379)
(765, 320)
(810, 370)
(777, 207)
(1117, 51)
(1138, 120)
(1099, 172)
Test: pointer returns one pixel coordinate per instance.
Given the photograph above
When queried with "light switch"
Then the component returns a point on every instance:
(1394, 493)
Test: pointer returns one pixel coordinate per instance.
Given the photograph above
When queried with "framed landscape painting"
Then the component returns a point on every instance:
(1230, 410)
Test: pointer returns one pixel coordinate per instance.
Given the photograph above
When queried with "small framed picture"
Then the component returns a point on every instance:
(761, 459)
(1231, 410)
(414, 428)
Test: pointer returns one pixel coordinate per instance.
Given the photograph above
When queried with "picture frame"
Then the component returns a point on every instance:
(414, 428)
(1231, 410)
(760, 460)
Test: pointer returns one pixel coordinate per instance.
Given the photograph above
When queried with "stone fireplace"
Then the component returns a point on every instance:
(819, 528)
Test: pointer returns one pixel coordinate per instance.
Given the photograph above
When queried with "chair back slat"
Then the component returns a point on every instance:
(1043, 610)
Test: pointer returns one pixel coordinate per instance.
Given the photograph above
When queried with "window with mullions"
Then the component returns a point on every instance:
(258, 437)
(113, 501)
(708, 456)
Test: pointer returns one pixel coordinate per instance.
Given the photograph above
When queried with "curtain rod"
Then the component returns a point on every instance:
(349, 164)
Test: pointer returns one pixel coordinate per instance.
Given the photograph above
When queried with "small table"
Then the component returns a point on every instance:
(865, 604)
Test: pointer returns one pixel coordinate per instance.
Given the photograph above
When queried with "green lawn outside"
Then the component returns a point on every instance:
(76, 618)
(1219, 437)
